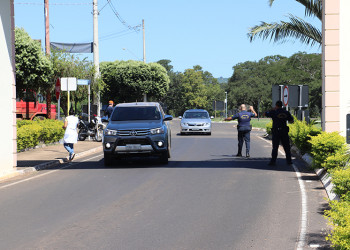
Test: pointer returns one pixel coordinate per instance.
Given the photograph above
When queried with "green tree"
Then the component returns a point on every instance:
(33, 68)
(295, 28)
(69, 65)
(128, 81)
(252, 82)
(194, 88)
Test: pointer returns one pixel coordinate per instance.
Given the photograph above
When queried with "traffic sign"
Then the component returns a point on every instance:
(285, 95)
(58, 88)
(68, 84)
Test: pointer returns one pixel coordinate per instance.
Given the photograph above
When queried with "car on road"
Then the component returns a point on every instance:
(195, 121)
(137, 129)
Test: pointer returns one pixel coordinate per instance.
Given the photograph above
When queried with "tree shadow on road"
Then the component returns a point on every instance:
(224, 162)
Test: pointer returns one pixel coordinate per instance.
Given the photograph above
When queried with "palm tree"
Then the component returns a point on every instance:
(295, 28)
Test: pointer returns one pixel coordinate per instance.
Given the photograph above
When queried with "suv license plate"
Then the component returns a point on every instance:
(133, 147)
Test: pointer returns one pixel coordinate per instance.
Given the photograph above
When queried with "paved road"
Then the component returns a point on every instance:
(203, 199)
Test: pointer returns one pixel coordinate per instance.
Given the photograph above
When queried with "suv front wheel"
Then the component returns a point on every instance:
(108, 159)
(164, 157)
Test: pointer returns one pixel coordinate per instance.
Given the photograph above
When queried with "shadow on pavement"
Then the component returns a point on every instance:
(153, 162)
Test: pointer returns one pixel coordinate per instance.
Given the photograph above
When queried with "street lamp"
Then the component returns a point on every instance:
(225, 104)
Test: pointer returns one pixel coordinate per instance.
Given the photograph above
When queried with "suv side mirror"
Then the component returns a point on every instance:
(168, 118)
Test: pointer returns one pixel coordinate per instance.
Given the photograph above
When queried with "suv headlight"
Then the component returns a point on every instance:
(157, 131)
(110, 132)
(184, 124)
(206, 124)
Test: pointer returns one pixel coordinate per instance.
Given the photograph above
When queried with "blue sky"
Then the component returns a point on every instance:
(212, 34)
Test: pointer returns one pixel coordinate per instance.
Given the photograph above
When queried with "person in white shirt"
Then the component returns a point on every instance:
(71, 133)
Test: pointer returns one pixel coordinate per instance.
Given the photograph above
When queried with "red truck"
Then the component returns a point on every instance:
(31, 110)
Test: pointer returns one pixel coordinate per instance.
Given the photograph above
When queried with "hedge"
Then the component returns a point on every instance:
(328, 151)
(300, 133)
(31, 133)
(325, 145)
(339, 217)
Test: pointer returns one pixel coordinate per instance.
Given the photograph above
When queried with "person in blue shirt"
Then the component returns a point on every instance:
(280, 131)
(109, 109)
(243, 128)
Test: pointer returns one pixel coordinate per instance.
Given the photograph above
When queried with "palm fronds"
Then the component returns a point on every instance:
(312, 7)
(295, 28)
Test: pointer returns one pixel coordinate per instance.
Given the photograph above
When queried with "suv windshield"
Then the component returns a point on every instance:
(196, 115)
(135, 113)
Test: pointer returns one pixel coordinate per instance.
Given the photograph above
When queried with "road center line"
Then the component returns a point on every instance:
(304, 209)
(49, 172)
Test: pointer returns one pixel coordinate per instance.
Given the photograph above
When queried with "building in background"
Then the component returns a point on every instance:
(336, 65)
(8, 148)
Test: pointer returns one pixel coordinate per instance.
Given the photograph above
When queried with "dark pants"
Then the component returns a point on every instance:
(277, 137)
(243, 136)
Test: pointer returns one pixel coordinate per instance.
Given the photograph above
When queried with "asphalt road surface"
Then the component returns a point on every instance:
(205, 198)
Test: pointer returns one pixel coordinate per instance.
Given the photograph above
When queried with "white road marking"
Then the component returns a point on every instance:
(304, 209)
(50, 172)
(315, 245)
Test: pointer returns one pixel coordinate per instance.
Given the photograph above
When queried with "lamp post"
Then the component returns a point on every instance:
(225, 104)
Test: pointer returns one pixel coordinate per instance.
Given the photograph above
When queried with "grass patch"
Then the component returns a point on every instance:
(261, 123)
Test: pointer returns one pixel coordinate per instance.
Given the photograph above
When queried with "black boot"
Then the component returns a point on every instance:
(239, 154)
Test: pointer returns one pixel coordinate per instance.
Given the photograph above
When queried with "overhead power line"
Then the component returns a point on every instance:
(135, 28)
(55, 3)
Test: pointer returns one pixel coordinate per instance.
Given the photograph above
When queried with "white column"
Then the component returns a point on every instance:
(344, 51)
(8, 144)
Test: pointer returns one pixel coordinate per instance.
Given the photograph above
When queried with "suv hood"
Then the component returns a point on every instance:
(129, 125)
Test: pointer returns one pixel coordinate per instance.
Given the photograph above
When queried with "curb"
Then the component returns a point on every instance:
(324, 177)
(49, 164)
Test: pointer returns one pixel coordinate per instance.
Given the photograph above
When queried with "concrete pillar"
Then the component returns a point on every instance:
(8, 144)
(336, 65)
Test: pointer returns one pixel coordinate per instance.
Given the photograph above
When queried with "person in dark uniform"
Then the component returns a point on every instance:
(280, 131)
(243, 128)
(109, 109)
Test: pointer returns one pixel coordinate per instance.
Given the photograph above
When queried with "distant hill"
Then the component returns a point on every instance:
(222, 80)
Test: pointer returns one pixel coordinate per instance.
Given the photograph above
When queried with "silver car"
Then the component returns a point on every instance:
(196, 121)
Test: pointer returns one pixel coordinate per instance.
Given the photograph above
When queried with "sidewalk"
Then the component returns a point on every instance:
(49, 156)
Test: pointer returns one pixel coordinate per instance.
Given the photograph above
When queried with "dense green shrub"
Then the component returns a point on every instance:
(21, 123)
(336, 161)
(300, 133)
(339, 217)
(269, 128)
(325, 145)
(341, 181)
(31, 133)
(52, 130)
(28, 136)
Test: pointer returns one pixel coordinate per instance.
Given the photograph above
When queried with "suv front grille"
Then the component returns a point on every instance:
(136, 132)
(124, 142)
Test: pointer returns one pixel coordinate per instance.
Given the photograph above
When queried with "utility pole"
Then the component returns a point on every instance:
(144, 42)
(225, 104)
(47, 49)
(144, 52)
(96, 54)
(47, 27)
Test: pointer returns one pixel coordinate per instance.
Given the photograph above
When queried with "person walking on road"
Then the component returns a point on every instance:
(71, 133)
(280, 131)
(109, 109)
(243, 128)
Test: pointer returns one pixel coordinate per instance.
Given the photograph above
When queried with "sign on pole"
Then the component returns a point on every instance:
(83, 82)
(57, 92)
(68, 84)
(285, 95)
